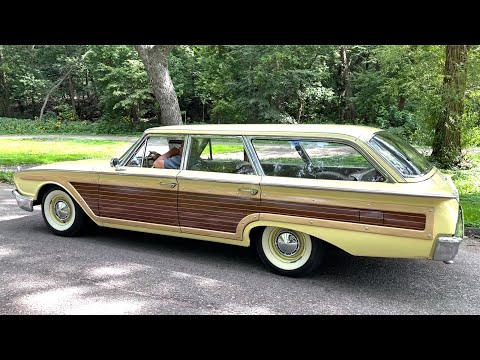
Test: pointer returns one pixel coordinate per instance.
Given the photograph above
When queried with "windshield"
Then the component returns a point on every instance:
(127, 153)
(401, 155)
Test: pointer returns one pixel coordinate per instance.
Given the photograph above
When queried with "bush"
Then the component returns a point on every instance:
(54, 125)
(124, 125)
(6, 177)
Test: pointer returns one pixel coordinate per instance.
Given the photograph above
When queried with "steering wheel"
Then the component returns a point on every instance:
(330, 175)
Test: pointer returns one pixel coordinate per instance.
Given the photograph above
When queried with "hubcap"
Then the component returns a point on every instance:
(287, 243)
(62, 210)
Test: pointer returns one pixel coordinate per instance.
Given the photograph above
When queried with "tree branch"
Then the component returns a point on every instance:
(57, 84)
(59, 81)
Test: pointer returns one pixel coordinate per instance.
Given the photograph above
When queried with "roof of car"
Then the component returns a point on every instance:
(270, 129)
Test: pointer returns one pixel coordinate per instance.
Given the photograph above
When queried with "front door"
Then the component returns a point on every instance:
(137, 193)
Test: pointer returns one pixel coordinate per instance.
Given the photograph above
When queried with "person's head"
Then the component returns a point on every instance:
(180, 148)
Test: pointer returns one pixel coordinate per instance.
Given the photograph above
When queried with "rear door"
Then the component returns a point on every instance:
(219, 190)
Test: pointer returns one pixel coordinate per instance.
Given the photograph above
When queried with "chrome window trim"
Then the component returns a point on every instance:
(133, 149)
(145, 139)
(403, 176)
(251, 153)
(242, 140)
(186, 151)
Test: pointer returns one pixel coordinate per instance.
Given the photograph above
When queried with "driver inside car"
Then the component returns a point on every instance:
(170, 160)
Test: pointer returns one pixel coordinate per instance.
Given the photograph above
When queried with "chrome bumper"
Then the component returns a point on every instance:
(25, 203)
(447, 248)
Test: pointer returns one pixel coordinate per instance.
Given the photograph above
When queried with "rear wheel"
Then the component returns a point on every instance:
(289, 252)
(61, 213)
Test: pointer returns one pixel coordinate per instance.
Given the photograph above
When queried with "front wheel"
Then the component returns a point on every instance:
(61, 213)
(289, 252)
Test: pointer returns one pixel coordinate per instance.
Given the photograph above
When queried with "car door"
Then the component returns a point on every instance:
(219, 190)
(139, 195)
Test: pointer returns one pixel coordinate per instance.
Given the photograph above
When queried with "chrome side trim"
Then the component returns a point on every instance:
(24, 202)
(159, 175)
(329, 188)
(246, 180)
(447, 248)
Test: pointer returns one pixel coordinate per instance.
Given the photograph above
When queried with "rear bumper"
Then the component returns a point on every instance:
(447, 248)
(24, 202)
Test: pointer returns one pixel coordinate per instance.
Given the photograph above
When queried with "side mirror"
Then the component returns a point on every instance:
(114, 162)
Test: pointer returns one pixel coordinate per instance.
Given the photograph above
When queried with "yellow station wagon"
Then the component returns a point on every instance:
(288, 190)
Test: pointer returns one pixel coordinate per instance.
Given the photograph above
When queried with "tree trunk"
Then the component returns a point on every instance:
(155, 59)
(300, 110)
(134, 112)
(72, 93)
(70, 85)
(447, 150)
(402, 100)
(350, 112)
(5, 98)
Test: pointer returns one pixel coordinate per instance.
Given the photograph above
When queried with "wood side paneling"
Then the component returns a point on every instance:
(89, 193)
(221, 213)
(130, 203)
(214, 212)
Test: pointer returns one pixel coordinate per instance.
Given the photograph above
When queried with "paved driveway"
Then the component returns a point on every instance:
(119, 272)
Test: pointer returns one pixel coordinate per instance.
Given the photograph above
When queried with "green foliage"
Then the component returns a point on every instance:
(6, 176)
(468, 185)
(264, 83)
(51, 125)
(122, 125)
(395, 87)
(65, 113)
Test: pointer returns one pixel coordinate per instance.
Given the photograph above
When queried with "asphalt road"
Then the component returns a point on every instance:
(110, 271)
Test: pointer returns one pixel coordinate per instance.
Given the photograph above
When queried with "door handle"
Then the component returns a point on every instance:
(171, 184)
(251, 191)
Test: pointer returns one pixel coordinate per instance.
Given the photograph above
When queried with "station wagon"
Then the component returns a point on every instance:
(288, 190)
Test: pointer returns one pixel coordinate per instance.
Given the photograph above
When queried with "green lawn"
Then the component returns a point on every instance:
(222, 149)
(44, 151)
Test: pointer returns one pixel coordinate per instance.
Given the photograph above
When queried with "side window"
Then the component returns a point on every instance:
(314, 160)
(224, 154)
(145, 155)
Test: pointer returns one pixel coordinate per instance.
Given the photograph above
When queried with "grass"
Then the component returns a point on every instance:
(222, 149)
(44, 151)
(468, 185)
(6, 176)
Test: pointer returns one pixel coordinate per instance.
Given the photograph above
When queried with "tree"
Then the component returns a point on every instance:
(155, 59)
(346, 73)
(447, 149)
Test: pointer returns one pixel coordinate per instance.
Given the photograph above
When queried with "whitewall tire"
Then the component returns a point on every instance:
(289, 252)
(61, 213)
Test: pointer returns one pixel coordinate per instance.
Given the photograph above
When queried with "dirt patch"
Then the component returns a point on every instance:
(473, 233)
(471, 241)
